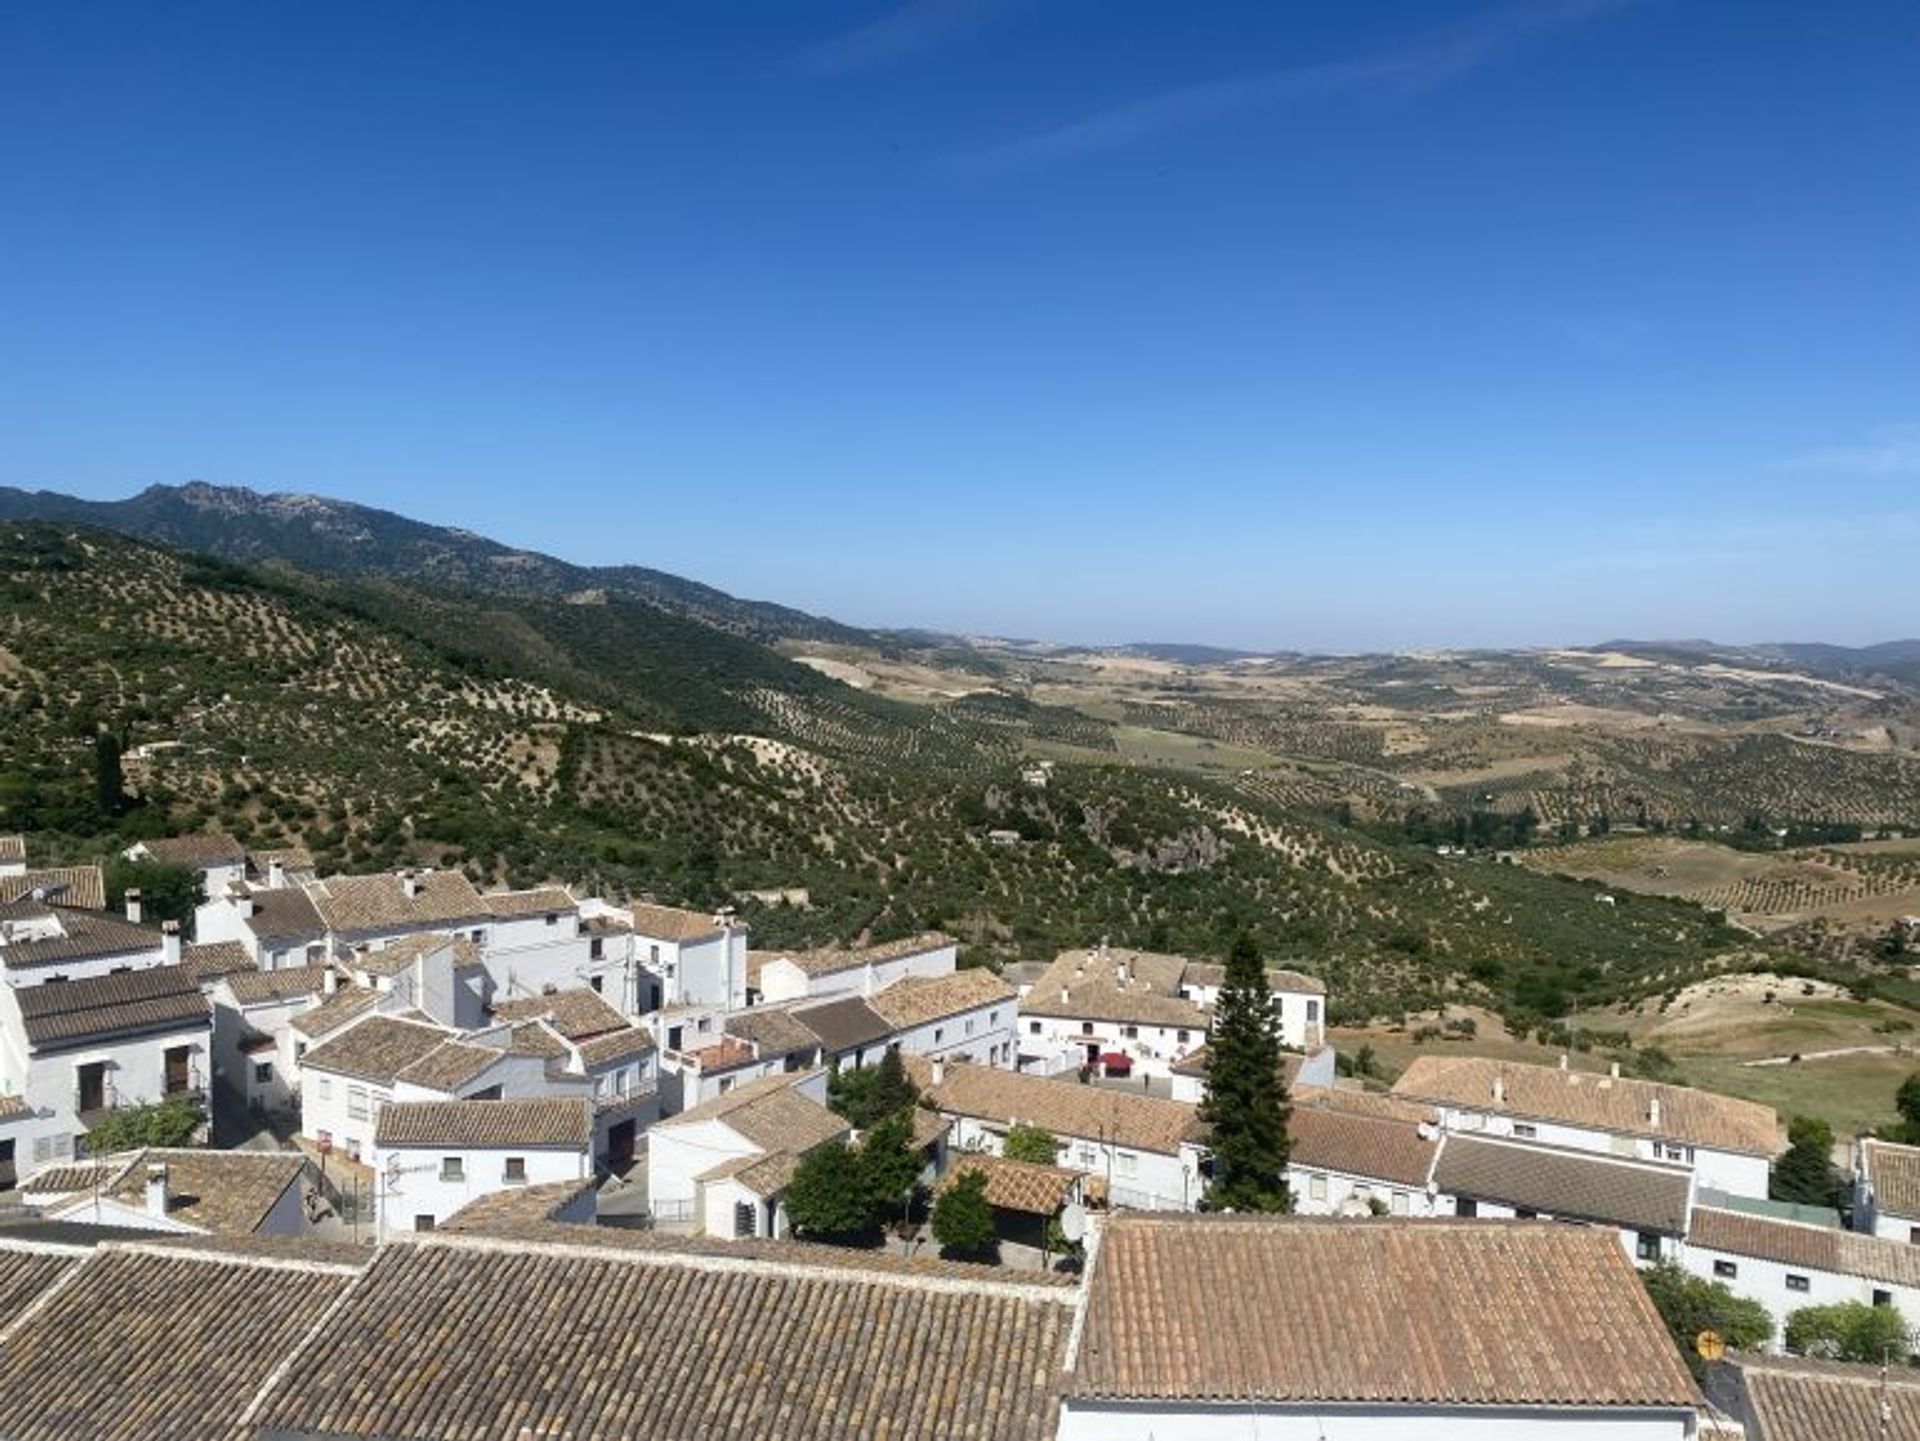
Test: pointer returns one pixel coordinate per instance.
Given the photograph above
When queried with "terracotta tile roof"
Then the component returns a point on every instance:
(375, 1049)
(13, 1106)
(13, 850)
(831, 960)
(196, 852)
(336, 1010)
(353, 904)
(670, 923)
(159, 998)
(919, 1000)
(774, 1031)
(451, 1065)
(287, 915)
(560, 1121)
(1326, 1138)
(1065, 1108)
(1481, 1313)
(545, 1346)
(68, 1177)
(255, 988)
(226, 1192)
(1197, 1063)
(615, 1046)
(400, 953)
(770, 1112)
(1894, 1173)
(726, 1054)
(1791, 1398)
(291, 858)
(843, 1025)
(1622, 1105)
(1023, 1186)
(1795, 1243)
(216, 958)
(150, 1342)
(764, 1175)
(577, 1012)
(84, 935)
(519, 1207)
(1130, 987)
(542, 900)
(26, 1272)
(83, 887)
(1567, 1184)
(537, 1038)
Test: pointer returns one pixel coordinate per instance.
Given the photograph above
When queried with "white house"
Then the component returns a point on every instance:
(818, 974)
(435, 972)
(1787, 1265)
(722, 1167)
(969, 1015)
(1143, 1152)
(13, 857)
(579, 1032)
(1729, 1143)
(1187, 1079)
(1203, 1328)
(1359, 1155)
(432, 1158)
(1089, 1005)
(253, 1035)
(693, 958)
(41, 942)
(181, 1192)
(1886, 1190)
(1299, 1000)
(219, 860)
(77, 1049)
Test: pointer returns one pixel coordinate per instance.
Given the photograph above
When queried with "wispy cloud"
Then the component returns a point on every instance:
(1891, 450)
(904, 31)
(1421, 65)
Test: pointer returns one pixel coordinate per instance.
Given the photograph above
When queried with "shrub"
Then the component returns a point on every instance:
(963, 1221)
(1849, 1331)
(1690, 1305)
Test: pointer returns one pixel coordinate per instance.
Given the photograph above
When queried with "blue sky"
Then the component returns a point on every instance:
(1318, 323)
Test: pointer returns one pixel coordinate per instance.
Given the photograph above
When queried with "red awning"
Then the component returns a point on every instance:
(1117, 1061)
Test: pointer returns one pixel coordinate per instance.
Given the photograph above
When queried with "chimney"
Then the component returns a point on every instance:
(157, 1190)
(133, 904)
(276, 875)
(1653, 1113)
(1614, 1070)
(1563, 1060)
(1120, 972)
(1499, 1090)
(410, 883)
(1065, 995)
(170, 941)
(329, 981)
(939, 1070)
(242, 902)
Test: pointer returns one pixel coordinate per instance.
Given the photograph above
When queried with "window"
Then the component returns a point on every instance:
(597, 950)
(1313, 1013)
(357, 1102)
(1086, 1028)
(45, 1148)
(452, 1168)
(1796, 1283)
(1316, 1188)
(299, 1050)
(423, 1221)
(1523, 1131)
(1180, 1036)
(326, 1088)
(993, 1018)
(262, 1073)
(939, 1034)
(1913, 1235)
(1466, 1206)
(477, 937)
(553, 920)
(1725, 1270)
(1882, 1298)
(726, 1084)
(704, 1025)
(1401, 1203)
(1668, 1152)
(516, 1172)
(969, 1025)
(1646, 1246)
(1033, 1028)
(1125, 1163)
(1088, 1156)
(1132, 1033)
(653, 954)
(353, 1150)
(1524, 1213)
(743, 1218)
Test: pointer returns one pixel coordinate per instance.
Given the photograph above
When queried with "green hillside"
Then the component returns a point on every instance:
(615, 745)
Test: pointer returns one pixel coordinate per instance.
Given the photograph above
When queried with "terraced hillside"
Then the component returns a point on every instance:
(529, 739)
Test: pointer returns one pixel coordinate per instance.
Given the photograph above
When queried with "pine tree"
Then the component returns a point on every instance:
(1246, 1097)
(1805, 1172)
(963, 1221)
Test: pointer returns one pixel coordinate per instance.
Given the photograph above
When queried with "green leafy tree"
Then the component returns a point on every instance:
(1246, 1097)
(167, 893)
(1690, 1305)
(1805, 1172)
(827, 1199)
(127, 1128)
(889, 1166)
(109, 788)
(867, 1096)
(1906, 1101)
(1850, 1331)
(963, 1221)
(1031, 1143)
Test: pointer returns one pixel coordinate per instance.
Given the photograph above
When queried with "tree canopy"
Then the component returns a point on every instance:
(1850, 1331)
(867, 1096)
(826, 1199)
(1246, 1097)
(1031, 1143)
(126, 1128)
(1690, 1305)
(963, 1221)
(1805, 1172)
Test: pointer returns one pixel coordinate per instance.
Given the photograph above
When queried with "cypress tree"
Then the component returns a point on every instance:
(1246, 1097)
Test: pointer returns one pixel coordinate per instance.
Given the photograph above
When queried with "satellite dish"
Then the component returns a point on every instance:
(1073, 1222)
(1709, 1345)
